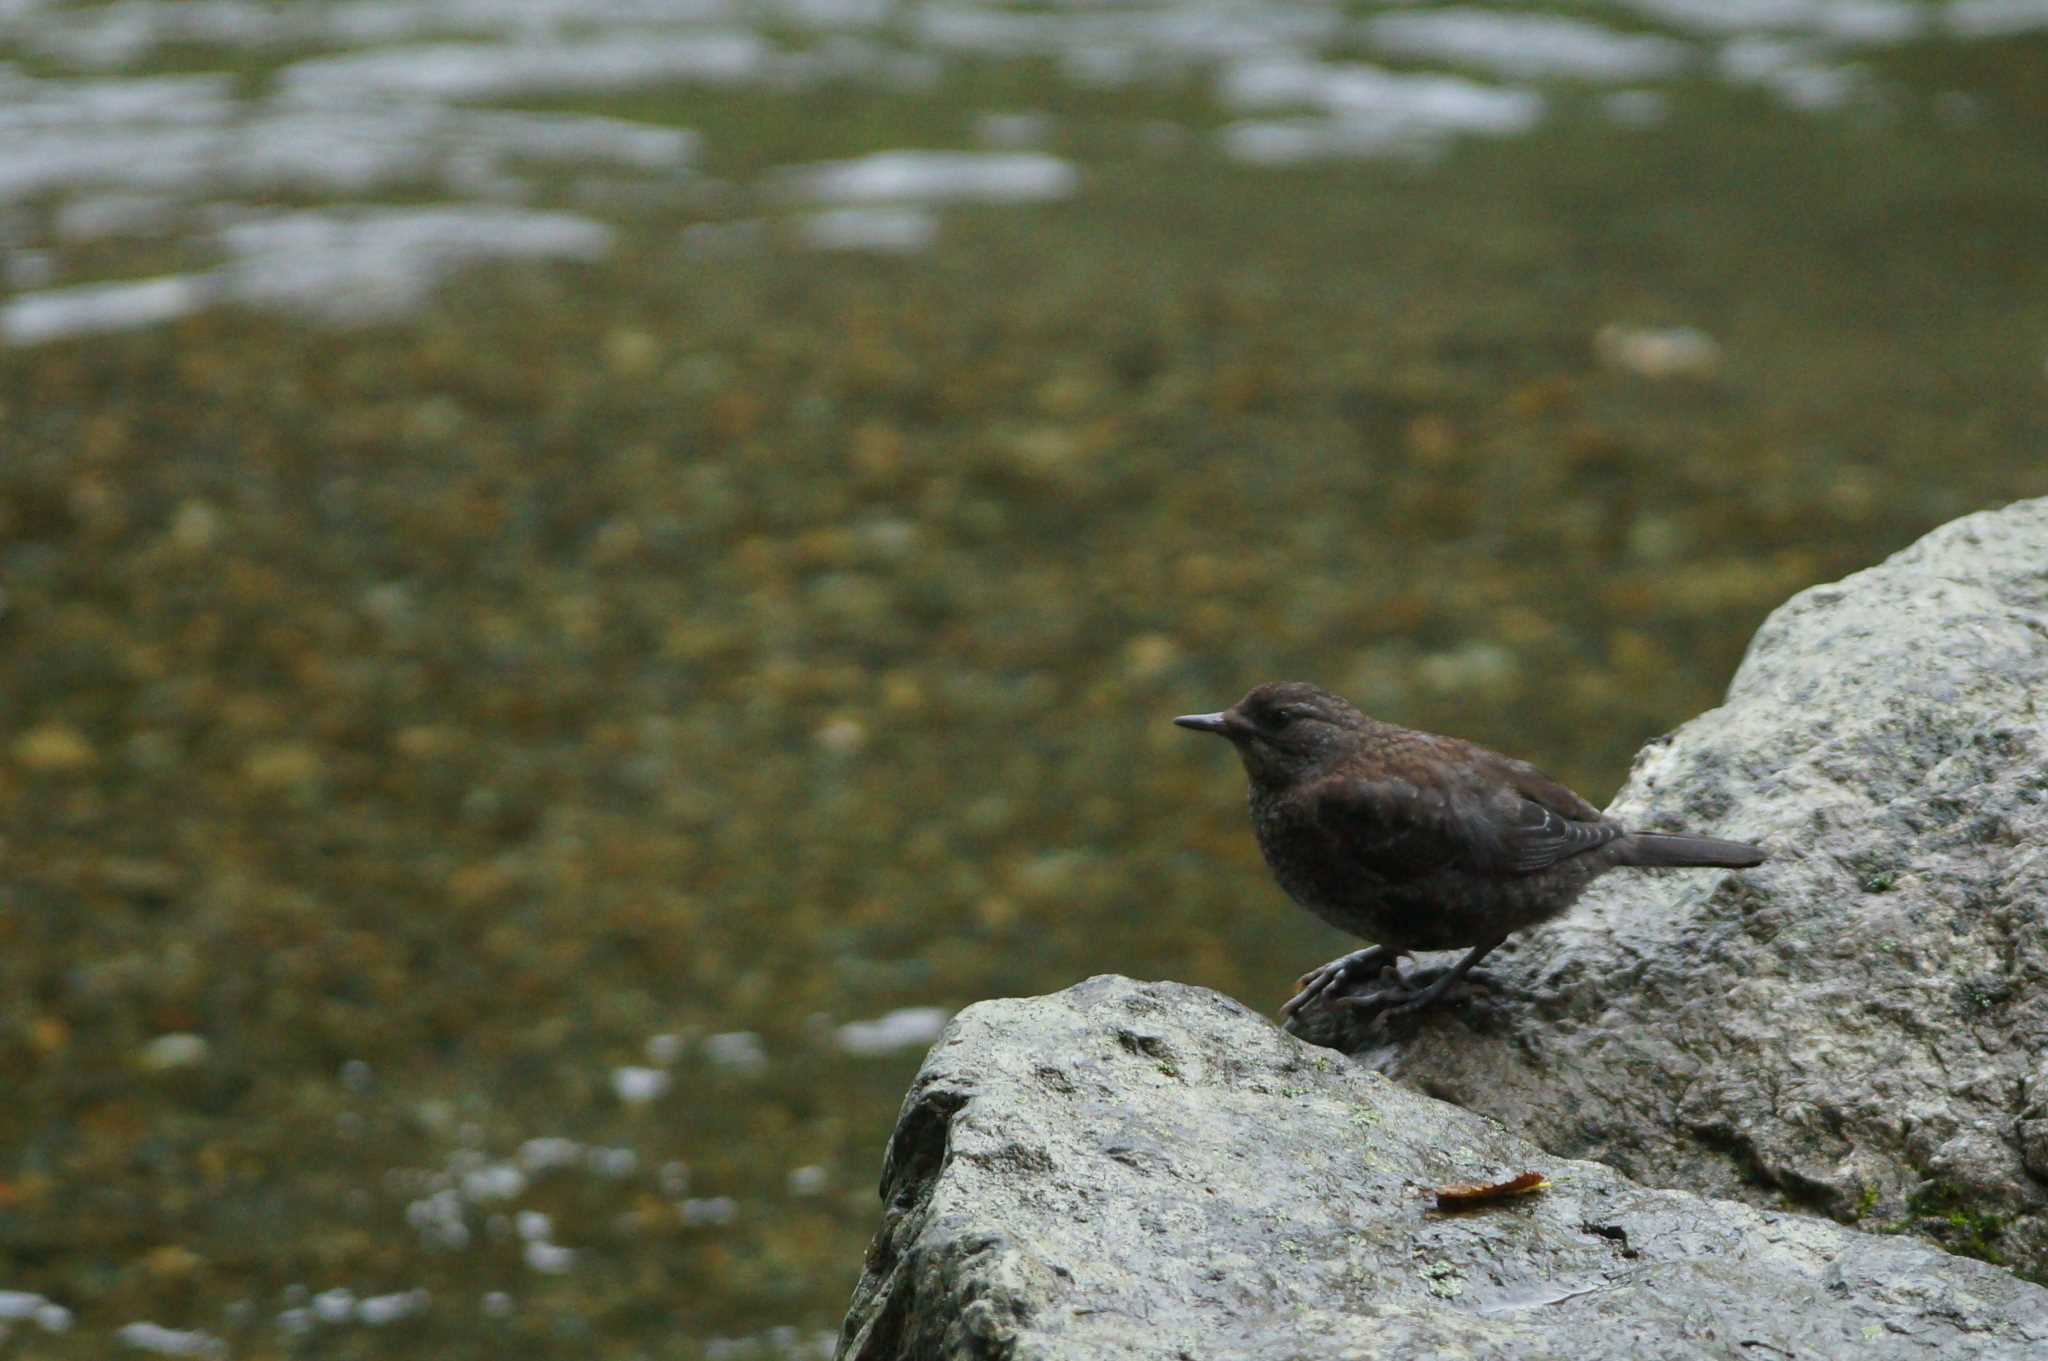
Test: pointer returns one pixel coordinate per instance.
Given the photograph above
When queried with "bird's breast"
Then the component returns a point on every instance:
(1303, 856)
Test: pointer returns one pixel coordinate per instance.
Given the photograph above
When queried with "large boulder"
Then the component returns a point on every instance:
(1151, 1170)
(1860, 1026)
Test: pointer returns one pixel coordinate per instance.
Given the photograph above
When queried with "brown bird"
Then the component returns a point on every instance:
(1420, 842)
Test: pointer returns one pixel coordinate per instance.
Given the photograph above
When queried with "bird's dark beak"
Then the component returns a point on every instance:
(1205, 722)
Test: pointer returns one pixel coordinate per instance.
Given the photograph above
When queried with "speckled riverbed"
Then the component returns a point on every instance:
(504, 766)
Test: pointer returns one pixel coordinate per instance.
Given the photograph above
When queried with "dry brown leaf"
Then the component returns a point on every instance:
(1471, 1197)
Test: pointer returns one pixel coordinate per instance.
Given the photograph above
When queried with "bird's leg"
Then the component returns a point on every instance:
(1338, 975)
(1435, 991)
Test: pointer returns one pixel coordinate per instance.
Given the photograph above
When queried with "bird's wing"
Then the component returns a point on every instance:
(1547, 822)
(1391, 829)
(1540, 836)
(1474, 810)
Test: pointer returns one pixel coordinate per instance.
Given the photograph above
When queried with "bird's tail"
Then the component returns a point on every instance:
(1658, 850)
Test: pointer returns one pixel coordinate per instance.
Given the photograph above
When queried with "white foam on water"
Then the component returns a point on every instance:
(364, 265)
(28, 103)
(386, 20)
(1856, 21)
(881, 231)
(16, 1305)
(904, 1028)
(1369, 93)
(139, 159)
(109, 37)
(1791, 69)
(24, 1306)
(105, 37)
(1299, 141)
(457, 71)
(935, 176)
(92, 309)
(986, 32)
(1529, 46)
(1168, 37)
(345, 267)
(343, 148)
(1212, 32)
(1994, 18)
(1374, 112)
(576, 139)
(372, 106)
(831, 14)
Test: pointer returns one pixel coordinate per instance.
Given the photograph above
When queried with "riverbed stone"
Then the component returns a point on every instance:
(1857, 1026)
(1153, 1170)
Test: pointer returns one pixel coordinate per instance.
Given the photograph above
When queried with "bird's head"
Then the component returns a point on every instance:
(1284, 730)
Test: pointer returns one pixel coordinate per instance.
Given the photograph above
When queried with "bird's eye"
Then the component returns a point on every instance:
(1282, 716)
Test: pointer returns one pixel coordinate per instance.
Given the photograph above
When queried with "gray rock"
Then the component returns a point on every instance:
(1861, 1025)
(1151, 1170)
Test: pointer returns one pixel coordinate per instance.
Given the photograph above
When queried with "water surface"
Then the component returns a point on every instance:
(573, 578)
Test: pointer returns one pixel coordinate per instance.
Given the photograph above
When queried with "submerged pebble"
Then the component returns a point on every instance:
(1659, 352)
(154, 1338)
(167, 1052)
(739, 1050)
(639, 1086)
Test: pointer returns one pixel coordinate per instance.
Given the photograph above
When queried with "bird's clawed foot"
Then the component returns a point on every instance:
(1358, 986)
(1334, 982)
(1413, 992)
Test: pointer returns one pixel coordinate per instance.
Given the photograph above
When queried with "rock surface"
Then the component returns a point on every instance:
(1861, 1025)
(1151, 1170)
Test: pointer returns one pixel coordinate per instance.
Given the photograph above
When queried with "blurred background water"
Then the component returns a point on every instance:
(575, 576)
